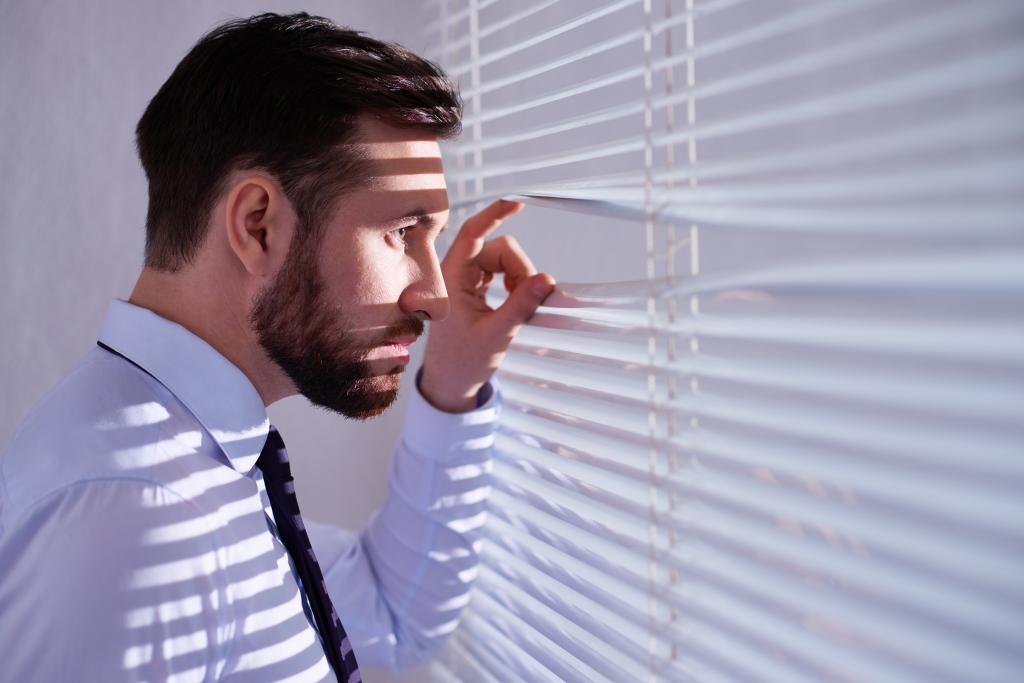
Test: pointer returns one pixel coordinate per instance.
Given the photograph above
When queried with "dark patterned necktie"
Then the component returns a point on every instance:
(277, 476)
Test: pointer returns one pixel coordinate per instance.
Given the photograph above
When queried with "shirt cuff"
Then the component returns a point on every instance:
(446, 437)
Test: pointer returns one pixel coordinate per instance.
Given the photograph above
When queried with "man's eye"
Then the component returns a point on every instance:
(400, 233)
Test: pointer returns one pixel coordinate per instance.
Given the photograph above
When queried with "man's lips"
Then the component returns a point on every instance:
(398, 349)
(403, 341)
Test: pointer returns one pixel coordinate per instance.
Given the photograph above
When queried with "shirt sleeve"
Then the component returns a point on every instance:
(400, 586)
(98, 583)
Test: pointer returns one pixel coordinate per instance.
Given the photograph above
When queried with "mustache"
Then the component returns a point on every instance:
(407, 327)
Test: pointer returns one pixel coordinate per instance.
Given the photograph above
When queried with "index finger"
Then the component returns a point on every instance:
(470, 240)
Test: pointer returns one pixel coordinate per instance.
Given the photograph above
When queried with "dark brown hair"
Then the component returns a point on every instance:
(282, 94)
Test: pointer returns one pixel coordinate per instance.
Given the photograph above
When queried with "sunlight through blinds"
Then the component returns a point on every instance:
(779, 437)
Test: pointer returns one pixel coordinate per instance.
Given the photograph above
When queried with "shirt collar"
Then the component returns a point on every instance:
(216, 392)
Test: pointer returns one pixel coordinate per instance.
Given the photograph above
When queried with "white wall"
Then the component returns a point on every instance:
(74, 79)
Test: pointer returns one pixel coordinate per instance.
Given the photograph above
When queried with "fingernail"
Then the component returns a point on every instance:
(541, 288)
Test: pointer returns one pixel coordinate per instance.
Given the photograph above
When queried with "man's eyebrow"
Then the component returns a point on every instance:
(420, 216)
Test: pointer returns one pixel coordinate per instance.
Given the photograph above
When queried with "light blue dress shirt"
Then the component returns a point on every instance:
(136, 541)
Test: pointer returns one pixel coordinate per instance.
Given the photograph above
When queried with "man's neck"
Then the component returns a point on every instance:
(213, 317)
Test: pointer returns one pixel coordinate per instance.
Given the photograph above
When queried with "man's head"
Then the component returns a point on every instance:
(295, 143)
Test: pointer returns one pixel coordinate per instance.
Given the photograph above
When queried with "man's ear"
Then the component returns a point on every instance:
(259, 222)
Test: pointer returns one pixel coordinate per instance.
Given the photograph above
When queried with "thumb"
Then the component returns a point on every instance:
(525, 298)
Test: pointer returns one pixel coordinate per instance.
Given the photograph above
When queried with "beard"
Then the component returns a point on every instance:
(316, 346)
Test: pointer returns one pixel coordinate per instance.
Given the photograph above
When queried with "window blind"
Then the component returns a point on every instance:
(774, 429)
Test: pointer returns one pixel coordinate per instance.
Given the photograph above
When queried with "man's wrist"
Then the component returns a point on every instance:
(447, 401)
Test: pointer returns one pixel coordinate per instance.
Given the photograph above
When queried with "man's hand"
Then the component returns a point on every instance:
(464, 350)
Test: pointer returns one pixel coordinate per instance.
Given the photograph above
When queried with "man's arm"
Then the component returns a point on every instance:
(400, 585)
(420, 553)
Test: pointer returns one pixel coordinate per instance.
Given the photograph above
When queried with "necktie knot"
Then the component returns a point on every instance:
(273, 460)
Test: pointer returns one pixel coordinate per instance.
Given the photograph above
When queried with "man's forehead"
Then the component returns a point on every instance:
(388, 150)
(378, 140)
(426, 171)
(404, 164)
(406, 174)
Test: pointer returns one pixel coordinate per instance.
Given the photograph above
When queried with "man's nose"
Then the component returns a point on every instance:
(426, 296)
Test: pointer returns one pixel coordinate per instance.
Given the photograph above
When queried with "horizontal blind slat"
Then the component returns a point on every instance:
(811, 468)
(992, 127)
(558, 644)
(624, 627)
(488, 29)
(514, 664)
(457, 16)
(593, 50)
(785, 594)
(751, 625)
(789, 466)
(972, 610)
(991, 68)
(486, 58)
(588, 153)
(904, 539)
(996, 342)
(991, 400)
(853, 428)
(955, 21)
(752, 661)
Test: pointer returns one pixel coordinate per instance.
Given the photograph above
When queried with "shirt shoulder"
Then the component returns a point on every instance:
(105, 420)
(126, 529)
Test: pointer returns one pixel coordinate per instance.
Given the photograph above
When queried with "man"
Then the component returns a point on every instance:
(148, 528)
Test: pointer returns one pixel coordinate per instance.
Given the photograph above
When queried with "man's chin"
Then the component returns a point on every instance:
(368, 413)
(369, 398)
